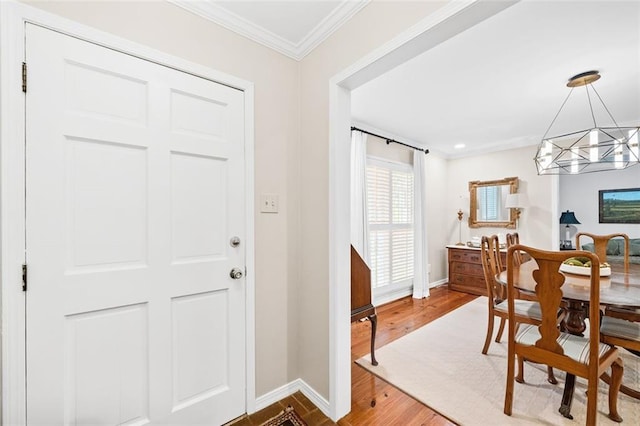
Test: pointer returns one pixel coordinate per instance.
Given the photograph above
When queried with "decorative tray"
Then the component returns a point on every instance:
(584, 270)
(478, 244)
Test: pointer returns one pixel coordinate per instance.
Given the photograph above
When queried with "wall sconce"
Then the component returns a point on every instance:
(516, 202)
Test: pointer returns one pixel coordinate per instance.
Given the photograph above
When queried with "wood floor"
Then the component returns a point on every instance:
(374, 401)
(301, 404)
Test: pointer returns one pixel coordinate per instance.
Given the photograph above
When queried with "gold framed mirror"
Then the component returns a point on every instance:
(487, 201)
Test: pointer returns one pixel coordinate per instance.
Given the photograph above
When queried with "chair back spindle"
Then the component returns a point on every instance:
(513, 239)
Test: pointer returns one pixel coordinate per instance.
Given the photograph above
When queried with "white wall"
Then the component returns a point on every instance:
(534, 224)
(579, 193)
(438, 216)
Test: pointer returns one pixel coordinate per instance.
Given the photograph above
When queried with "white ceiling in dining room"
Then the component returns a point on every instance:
(499, 84)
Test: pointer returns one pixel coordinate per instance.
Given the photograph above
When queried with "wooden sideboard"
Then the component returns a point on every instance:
(465, 269)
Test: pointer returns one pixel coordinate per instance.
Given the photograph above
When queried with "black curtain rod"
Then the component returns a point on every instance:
(426, 151)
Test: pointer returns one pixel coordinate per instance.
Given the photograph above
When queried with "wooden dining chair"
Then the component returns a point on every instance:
(584, 357)
(621, 327)
(491, 266)
(513, 239)
(600, 243)
(527, 309)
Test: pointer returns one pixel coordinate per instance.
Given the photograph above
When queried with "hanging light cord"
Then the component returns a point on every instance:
(593, 117)
(590, 105)
(605, 108)
(557, 114)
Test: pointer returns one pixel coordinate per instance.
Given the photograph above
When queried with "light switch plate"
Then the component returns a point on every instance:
(269, 203)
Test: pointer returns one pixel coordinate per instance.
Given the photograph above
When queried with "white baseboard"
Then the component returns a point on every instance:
(317, 399)
(289, 389)
(391, 296)
(403, 292)
(438, 283)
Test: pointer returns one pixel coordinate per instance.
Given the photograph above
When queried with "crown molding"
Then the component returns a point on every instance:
(338, 17)
(221, 16)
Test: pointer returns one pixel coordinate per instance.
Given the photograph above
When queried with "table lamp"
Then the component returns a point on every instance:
(568, 218)
(460, 214)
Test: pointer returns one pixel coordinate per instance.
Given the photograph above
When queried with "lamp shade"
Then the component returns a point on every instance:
(516, 201)
(569, 218)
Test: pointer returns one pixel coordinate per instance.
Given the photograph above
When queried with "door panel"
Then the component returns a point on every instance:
(196, 378)
(94, 348)
(207, 242)
(134, 186)
(117, 238)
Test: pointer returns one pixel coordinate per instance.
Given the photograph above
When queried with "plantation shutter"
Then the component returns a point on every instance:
(390, 215)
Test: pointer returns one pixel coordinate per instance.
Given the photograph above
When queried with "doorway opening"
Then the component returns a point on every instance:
(452, 19)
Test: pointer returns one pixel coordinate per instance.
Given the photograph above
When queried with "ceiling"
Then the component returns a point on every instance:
(494, 86)
(293, 28)
(499, 84)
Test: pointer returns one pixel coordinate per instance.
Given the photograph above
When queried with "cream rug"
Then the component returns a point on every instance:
(441, 365)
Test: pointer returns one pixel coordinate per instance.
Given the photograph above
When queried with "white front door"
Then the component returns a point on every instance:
(134, 188)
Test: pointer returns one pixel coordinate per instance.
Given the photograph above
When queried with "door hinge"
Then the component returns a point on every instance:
(24, 277)
(24, 77)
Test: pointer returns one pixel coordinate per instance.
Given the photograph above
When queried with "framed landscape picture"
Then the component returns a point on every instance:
(619, 205)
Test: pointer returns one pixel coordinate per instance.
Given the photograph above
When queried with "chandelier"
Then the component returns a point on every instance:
(589, 150)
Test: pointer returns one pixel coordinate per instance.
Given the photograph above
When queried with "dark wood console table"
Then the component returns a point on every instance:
(361, 306)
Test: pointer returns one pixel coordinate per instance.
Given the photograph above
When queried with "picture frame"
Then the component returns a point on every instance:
(619, 205)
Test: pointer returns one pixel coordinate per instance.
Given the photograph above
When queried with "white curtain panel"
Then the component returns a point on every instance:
(359, 222)
(420, 246)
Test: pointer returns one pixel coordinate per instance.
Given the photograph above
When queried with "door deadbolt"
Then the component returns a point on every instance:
(235, 241)
(236, 273)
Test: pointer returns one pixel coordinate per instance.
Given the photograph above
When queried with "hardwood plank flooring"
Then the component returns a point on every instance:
(374, 401)
(302, 405)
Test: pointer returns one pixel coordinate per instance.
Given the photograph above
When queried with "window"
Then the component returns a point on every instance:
(390, 216)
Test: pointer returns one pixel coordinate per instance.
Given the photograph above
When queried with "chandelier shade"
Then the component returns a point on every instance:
(588, 150)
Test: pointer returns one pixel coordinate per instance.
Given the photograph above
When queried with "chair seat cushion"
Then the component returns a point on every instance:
(631, 314)
(617, 327)
(575, 347)
(523, 308)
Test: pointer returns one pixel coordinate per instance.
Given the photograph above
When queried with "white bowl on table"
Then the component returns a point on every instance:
(584, 270)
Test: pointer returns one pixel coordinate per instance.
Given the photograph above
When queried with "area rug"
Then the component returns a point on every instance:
(288, 417)
(442, 366)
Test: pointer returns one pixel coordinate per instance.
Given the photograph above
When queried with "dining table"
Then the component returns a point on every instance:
(621, 288)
